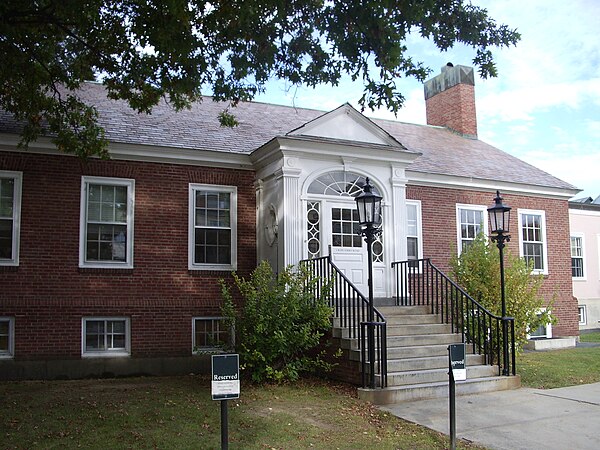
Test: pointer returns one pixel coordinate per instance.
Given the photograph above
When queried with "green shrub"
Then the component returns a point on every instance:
(279, 323)
(477, 271)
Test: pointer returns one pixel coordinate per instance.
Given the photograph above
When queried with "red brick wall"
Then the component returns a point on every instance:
(439, 213)
(48, 293)
(454, 108)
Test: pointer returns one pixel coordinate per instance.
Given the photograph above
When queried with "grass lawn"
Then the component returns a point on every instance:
(559, 368)
(177, 412)
(589, 337)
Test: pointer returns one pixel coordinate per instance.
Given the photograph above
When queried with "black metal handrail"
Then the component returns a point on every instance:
(420, 282)
(350, 309)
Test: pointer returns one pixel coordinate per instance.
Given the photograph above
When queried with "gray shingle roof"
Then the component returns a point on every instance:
(443, 152)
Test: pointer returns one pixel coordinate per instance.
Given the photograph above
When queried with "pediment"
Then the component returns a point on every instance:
(346, 124)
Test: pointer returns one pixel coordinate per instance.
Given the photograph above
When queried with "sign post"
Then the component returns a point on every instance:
(225, 385)
(457, 372)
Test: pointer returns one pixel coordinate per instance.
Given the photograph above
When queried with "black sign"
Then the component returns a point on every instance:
(458, 361)
(225, 381)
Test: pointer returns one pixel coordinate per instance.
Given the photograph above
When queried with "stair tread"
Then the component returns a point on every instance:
(444, 383)
(425, 358)
(443, 369)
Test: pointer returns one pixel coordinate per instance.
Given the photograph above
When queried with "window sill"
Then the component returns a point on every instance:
(106, 355)
(209, 269)
(107, 270)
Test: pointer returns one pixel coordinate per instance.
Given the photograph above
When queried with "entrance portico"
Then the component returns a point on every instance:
(306, 183)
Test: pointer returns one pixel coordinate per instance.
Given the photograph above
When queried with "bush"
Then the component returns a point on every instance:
(477, 271)
(278, 323)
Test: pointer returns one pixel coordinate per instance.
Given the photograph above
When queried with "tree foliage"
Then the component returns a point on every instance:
(279, 323)
(477, 271)
(145, 50)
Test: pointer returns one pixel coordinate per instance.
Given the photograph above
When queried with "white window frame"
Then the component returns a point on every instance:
(582, 238)
(11, 338)
(419, 236)
(106, 181)
(232, 190)
(542, 214)
(198, 350)
(582, 313)
(16, 218)
(460, 207)
(548, 334)
(106, 353)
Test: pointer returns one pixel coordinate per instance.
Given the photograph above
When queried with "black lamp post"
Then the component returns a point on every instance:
(499, 214)
(369, 218)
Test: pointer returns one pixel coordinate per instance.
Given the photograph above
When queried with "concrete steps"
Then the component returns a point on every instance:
(422, 391)
(417, 355)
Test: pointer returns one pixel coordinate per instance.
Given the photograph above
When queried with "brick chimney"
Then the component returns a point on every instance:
(450, 100)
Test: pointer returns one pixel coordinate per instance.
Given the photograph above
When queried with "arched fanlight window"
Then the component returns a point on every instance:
(344, 184)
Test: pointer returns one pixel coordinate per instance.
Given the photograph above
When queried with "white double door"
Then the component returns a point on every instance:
(348, 249)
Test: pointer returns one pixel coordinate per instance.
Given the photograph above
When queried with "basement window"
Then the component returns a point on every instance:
(106, 336)
(7, 337)
(210, 334)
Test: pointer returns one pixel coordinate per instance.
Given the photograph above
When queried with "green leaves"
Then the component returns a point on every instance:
(477, 271)
(278, 323)
(147, 50)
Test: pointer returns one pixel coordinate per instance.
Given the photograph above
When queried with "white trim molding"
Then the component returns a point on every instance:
(543, 241)
(9, 351)
(581, 246)
(223, 219)
(482, 226)
(108, 349)
(107, 214)
(15, 214)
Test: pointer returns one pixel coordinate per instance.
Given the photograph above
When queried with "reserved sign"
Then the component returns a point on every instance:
(225, 381)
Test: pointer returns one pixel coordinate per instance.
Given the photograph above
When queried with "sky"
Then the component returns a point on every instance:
(544, 106)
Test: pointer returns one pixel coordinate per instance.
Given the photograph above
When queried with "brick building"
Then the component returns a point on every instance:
(112, 267)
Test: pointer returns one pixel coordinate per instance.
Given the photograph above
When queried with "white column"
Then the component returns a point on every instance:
(290, 228)
(399, 213)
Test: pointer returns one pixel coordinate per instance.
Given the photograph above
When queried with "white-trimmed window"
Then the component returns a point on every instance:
(210, 334)
(532, 239)
(7, 337)
(577, 261)
(470, 221)
(582, 312)
(106, 336)
(212, 227)
(414, 231)
(543, 331)
(106, 234)
(10, 217)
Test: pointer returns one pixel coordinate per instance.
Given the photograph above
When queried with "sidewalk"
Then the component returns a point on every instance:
(527, 419)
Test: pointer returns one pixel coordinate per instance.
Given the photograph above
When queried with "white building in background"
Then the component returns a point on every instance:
(584, 222)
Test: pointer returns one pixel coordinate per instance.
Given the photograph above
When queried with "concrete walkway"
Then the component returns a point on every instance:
(528, 419)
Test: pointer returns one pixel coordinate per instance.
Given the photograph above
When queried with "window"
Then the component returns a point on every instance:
(345, 227)
(541, 332)
(10, 214)
(213, 229)
(210, 333)
(106, 336)
(7, 339)
(532, 237)
(582, 315)
(313, 226)
(414, 237)
(577, 256)
(106, 223)
(470, 221)
(344, 184)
